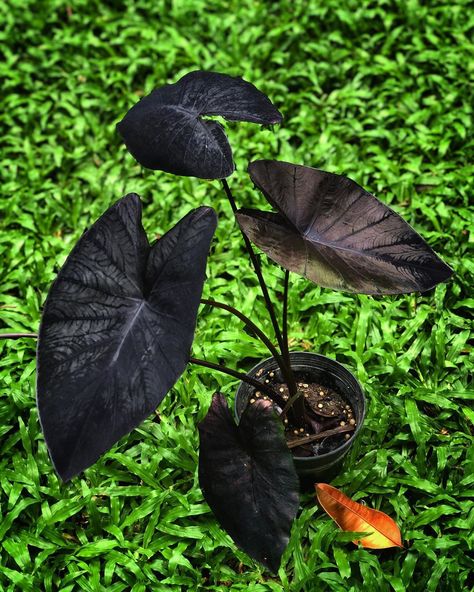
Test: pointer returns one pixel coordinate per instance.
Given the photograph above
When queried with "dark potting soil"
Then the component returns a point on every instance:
(326, 410)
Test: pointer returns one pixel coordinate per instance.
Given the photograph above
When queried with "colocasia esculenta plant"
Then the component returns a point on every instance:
(119, 320)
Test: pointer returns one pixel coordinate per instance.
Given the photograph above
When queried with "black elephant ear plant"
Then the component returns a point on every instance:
(326, 228)
(118, 323)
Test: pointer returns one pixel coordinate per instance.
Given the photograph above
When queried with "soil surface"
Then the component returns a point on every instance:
(326, 409)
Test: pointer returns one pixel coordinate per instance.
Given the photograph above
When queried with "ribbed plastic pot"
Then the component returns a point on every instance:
(310, 367)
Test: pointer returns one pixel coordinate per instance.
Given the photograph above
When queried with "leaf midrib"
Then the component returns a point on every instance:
(128, 327)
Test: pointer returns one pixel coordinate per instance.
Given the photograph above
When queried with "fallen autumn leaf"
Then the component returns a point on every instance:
(352, 516)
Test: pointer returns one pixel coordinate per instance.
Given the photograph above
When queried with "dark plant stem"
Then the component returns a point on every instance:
(298, 415)
(256, 330)
(261, 386)
(295, 409)
(258, 269)
(17, 335)
(286, 352)
(291, 403)
(295, 404)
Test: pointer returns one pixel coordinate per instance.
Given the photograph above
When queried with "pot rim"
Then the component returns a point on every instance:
(344, 448)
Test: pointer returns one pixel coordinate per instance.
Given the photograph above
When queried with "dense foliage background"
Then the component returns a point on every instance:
(378, 90)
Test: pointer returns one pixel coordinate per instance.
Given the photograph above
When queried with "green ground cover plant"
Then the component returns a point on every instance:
(379, 91)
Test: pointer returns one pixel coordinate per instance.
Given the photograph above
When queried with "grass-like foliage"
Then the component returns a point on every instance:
(379, 91)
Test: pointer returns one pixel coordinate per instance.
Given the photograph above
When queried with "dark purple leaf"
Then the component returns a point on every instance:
(332, 231)
(116, 330)
(166, 131)
(248, 478)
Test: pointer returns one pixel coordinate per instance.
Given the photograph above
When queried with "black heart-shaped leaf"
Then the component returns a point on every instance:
(332, 231)
(116, 330)
(248, 478)
(166, 131)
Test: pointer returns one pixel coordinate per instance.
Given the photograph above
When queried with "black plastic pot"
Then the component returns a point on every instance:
(309, 367)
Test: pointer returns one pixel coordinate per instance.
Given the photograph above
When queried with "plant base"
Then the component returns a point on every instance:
(331, 374)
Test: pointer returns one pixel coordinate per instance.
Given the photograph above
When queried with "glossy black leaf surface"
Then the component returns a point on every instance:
(332, 231)
(248, 478)
(166, 131)
(116, 331)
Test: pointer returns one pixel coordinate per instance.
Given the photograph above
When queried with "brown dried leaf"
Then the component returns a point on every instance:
(354, 517)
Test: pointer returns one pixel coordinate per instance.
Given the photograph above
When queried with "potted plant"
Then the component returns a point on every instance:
(119, 320)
